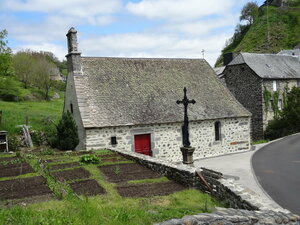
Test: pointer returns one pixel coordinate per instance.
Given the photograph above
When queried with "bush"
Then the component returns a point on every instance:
(66, 137)
(39, 138)
(14, 143)
(9, 89)
(89, 159)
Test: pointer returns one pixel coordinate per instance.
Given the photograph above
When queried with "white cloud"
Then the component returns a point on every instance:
(202, 27)
(153, 45)
(178, 10)
(58, 50)
(78, 8)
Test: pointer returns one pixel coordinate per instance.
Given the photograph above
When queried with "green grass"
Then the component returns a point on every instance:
(108, 209)
(259, 142)
(15, 113)
(284, 32)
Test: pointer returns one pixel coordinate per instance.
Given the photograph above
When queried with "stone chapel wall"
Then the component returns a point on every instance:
(166, 139)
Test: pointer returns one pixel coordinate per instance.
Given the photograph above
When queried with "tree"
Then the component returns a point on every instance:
(43, 71)
(67, 135)
(5, 55)
(249, 12)
(23, 63)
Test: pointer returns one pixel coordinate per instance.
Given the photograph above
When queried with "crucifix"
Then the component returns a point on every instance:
(185, 129)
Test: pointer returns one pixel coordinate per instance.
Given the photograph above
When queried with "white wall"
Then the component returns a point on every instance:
(166, 139)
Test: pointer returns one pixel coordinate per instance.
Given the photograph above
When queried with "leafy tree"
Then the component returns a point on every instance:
(67, 136)
(43, 71)
(5, 55)
(249, 12)
(23, 63)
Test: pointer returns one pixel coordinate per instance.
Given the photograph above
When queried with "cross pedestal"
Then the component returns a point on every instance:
(187, 155)
(187, 150)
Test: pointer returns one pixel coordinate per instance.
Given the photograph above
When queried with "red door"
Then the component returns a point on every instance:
(142, 144)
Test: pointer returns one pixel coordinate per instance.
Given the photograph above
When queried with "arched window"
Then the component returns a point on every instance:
(218, 131)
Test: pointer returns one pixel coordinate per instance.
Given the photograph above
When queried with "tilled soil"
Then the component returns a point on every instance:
(108, 155)
(8, 158)
(149, 189)
(67, 175)
(64, 165)
(114, 159)
(22, 188)
(124, 172)
(88, 188)
(11, 170)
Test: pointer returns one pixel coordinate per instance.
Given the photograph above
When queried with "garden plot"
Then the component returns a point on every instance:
(22, 188)
(125, 172)
(74, 174)
(149, 189)
(64, 165)
(11, 168)
(87, 187)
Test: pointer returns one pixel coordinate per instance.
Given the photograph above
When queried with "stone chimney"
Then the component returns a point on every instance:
(73, 56)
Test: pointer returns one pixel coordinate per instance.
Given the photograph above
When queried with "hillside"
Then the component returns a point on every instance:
(273, 29)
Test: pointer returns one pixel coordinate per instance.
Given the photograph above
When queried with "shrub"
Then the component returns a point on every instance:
(14, 143)
(89, 159)
(39, 138)
(66, 137)
(9, 89)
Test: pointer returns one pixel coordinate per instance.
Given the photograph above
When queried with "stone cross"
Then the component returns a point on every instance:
(185, 129)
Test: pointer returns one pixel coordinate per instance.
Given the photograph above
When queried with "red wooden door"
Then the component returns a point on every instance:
(142, 144)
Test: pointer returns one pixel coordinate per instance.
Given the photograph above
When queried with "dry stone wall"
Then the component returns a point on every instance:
(166, 139)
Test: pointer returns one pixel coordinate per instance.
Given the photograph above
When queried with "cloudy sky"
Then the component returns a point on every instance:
(131, 28)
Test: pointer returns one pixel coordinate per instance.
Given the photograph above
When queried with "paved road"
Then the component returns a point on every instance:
(277, 168)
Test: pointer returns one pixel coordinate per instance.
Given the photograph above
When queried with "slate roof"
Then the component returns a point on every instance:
(219, 70)
(128, 91)
(270, 66)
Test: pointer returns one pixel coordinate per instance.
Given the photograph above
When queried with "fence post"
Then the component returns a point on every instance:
(0, 117)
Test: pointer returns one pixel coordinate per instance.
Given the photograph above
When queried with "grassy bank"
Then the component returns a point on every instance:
(15, 113)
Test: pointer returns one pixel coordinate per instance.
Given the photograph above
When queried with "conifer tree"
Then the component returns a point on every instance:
(67, 135)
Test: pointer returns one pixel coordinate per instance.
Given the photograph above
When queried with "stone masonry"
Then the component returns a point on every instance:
(166, 139)
(246, 86)
(268, 114)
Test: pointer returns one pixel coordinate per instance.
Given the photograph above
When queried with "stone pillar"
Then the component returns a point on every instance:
(73, 56)
(187, 154)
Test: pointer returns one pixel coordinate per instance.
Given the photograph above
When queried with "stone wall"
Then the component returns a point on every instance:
(281, 85)
(166, 139)
(71, 99)
(246, 86)
(245, 206)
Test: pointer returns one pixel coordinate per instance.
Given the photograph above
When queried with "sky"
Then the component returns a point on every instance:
(123, 28)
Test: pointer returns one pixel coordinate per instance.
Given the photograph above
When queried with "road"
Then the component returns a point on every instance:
(277, 168)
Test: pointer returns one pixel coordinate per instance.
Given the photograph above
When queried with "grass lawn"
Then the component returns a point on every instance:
(15, 113)
(107, 209)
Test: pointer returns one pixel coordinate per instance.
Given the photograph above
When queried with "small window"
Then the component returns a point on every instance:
(298, 83)
(217, 131)
(243, 69)
(113, 140)
(71, 108)
(274, 85)
(280, 104)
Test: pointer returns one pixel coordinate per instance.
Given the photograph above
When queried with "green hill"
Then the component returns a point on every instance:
(273, 29)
